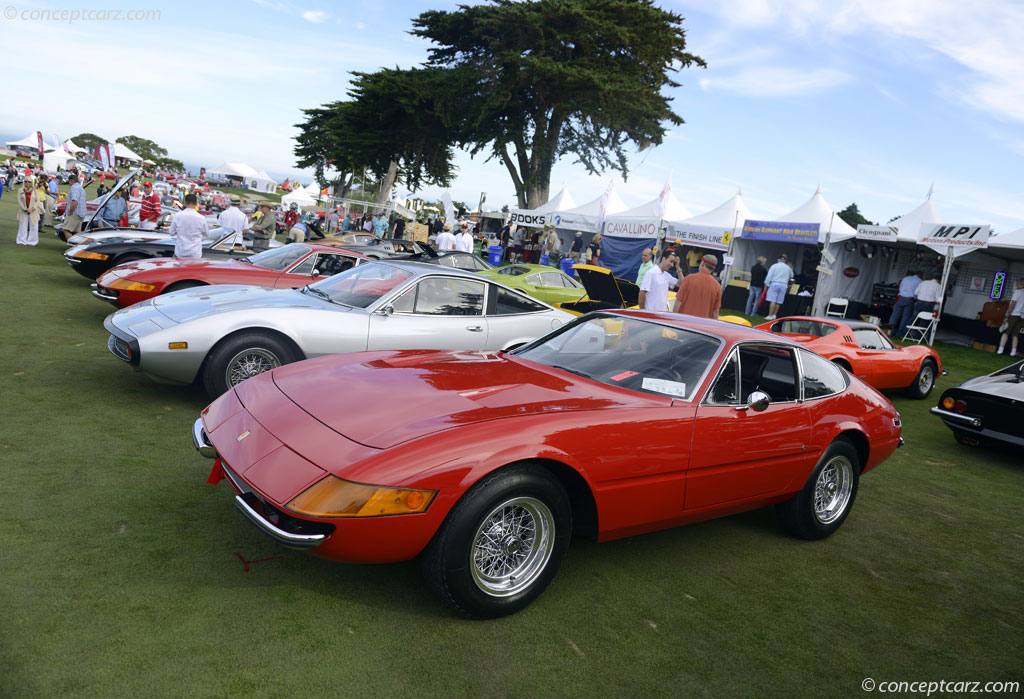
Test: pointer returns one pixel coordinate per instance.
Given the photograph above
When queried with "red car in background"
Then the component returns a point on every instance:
(484, 464)
(286, 267)
(864, 351)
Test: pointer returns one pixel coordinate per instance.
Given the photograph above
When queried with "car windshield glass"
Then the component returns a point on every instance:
(279, 259)
(363, 285)
(629, 353)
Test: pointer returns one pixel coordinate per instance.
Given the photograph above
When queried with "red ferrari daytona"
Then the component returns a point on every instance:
(483, 464)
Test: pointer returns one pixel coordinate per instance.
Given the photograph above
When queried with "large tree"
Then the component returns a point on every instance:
(853, 216)
(143, 147)
(88, 140)
(396, 124)
(548, 78)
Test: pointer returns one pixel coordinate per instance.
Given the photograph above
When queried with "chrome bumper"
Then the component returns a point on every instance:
(957, 417)
(72, 260)
(200, 441)
(102, 294)
(295, 541)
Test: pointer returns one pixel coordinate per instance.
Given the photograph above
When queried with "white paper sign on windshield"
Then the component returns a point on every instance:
(670, 388)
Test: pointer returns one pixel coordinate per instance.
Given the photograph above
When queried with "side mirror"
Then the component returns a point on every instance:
(387, 311)
(315, 273)
(758, 401)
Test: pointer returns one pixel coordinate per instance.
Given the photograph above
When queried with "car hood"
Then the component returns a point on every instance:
(183, 306)
(409, 394)
(602, 285)
(1003, 385)
(166, 263)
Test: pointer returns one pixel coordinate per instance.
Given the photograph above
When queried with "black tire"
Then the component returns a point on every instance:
(835, 479)
(240, 357)
(182, 285)
(456, 564)
(924, 382)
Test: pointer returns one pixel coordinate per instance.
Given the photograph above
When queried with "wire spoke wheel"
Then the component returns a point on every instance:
(248, 363)
(832, 489)
(512, 546)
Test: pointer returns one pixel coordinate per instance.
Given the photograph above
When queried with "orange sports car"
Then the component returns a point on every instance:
(864, 351)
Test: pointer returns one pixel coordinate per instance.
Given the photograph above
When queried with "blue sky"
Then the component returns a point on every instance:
(872, 99)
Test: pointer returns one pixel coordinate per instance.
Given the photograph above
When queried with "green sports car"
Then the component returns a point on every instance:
(546, 284)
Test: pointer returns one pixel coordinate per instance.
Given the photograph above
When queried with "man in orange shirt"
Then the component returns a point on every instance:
(700, 294)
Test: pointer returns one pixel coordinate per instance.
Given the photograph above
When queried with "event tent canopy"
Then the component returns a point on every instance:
(587, 217)
(908, 226)
(30, 141)
(261, 182)
(1008, 245)
(541, 215)
(817, 210)
(235, 170)
(730, 215)
(300, 197)
(73, 147)
(52, 158)
(125, 153)
(644, 221)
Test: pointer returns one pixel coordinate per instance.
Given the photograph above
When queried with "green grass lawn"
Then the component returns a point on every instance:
(122, 573)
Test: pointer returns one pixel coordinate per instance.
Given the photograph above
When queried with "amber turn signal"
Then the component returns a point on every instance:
(335, 497)
(86, 255)
(947, 403)
(129, 285)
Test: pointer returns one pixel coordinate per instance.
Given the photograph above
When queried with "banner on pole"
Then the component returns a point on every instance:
(782, 231)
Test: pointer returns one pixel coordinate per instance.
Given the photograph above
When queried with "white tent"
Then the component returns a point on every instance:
(240, 170)
(587, 217)
(707, 229)
(819, 211)
(300, 197)
(1010, 244)
(74, 148)
(539, 216)
(261, 182)
(53, 158)
(125, 153)
(644, 221)
(909, 225)
(30, 141)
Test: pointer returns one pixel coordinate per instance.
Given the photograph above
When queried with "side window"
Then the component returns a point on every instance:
(726, 388)
(821, 377)
(510, 303)
(870, 339)
(535, 279)
(770, 369)
(329, 265)
(443, 296)
(446, 261)
(304, 267)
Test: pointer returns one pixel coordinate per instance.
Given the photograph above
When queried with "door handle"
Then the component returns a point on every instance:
(475, 328)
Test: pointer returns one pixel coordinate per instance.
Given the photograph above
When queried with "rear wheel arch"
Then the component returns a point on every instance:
(183, 284)
(842, 362)
(859, 442)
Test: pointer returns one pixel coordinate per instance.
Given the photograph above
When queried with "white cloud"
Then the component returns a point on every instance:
(314, 16)
(776, 81)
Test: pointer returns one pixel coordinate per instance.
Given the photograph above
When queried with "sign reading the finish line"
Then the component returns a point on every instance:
(699, 236)
(782, 231)
(876, 234)
(962, 238)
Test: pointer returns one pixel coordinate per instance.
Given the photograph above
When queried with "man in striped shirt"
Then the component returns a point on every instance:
(150, 210)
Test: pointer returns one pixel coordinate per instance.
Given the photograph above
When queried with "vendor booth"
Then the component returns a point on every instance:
(26, 147)
(626, 234)
(588, 217)
(535, 218)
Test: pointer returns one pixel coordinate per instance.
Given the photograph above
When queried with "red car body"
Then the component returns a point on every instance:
(449, 422)
(863, 350)
(131, 282)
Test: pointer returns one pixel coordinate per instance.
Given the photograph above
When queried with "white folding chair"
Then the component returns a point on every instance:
(837, 307)
(921, 325)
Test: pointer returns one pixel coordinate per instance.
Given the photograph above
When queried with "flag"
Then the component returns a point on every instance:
(67, 149)
(449, 207)
(603, 206)
(39, 135)
(663, 197)
(931, 190)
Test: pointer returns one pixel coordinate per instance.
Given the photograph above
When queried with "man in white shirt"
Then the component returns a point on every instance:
(926, 296)
(445, 239)
(188, 228)
(777, 281)
(1014, 320)
(658, 280)
(464, 240)
(233, 218)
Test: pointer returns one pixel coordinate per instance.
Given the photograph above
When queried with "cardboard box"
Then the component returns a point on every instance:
(983, 347)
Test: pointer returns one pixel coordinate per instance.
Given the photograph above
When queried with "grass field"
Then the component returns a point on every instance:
(123, 574)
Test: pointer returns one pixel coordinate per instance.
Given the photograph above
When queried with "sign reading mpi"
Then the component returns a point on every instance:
(961, 238)
(782, 231)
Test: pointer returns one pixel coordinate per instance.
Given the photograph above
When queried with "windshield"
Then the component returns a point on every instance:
(629, 353)
(363, 285)
(279, 259)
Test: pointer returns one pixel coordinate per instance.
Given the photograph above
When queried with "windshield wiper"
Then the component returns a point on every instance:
(318, 292)
(245, 259)
(571, 371)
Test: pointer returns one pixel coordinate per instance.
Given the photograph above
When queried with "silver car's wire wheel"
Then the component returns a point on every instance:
(832, 489)
(926, 378)
(512, 546)
(248, 363)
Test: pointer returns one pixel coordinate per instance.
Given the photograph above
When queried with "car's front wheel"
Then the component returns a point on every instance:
(501, 544)
(826, 499)
(924, 382)
(241, 357)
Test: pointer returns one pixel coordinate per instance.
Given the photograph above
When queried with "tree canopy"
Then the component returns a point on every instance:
(853, 216)
(143, 147)
(546, 78)
(88, 140)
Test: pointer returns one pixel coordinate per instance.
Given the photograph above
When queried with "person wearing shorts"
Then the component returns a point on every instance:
(1014, 320)
(777, 281)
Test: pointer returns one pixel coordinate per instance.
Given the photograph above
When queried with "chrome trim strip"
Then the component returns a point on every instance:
(200, 441)
(299, 541)
(103, 295)
(956, 417)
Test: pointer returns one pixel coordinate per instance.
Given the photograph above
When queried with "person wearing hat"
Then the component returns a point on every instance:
(149, 212)
(777, 281)
(445, 239)
(264, 229)
(757, 274)
(74, 208)
(577, 247)
(380, 225)
(464, 239)
(700, 294)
